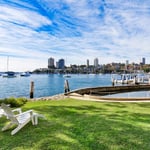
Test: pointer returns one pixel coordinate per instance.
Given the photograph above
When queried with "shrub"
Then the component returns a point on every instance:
(14, 102)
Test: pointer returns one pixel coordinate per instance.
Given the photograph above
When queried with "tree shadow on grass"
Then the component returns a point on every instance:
(144, 104)
(117, 104)
(81, 127)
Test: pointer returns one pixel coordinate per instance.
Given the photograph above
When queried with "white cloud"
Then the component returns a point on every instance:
(77, 30)
(22, 17)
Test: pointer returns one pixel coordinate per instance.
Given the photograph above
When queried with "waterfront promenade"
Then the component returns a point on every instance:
(100, 94)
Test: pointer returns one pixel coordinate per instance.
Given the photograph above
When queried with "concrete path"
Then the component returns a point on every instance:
(100, 99)
(92, 98)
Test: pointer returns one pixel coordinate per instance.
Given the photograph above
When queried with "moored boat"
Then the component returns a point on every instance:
(25, 74)
(124, 78)
(131, 78)
(67, 76)
(9, 74)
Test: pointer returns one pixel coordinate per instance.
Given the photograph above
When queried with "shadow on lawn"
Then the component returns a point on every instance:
(83, 128)
(117, 104)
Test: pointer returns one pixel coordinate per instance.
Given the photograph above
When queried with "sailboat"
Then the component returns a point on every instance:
(67, 76)
(8, 74)
(25, 74)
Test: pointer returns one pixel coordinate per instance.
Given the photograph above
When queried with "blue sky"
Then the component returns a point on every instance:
(31, 31)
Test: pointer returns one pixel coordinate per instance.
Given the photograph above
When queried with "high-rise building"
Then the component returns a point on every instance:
(61, 64)
(143, 61)
(127, 62)
(51, 62)
(87, 63)
(96, 62)
(57, 64)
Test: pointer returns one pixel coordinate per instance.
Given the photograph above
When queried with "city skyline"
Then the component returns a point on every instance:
(53, 63)
(112, 31)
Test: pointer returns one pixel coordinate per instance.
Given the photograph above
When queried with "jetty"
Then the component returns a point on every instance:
(130, 79)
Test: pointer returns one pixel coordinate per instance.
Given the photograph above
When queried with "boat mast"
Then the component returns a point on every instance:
(7, 63)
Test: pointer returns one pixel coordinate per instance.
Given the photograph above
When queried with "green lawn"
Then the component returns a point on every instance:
(82, 125)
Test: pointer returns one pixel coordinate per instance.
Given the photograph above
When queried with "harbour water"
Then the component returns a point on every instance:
(48, 85)
(138, 94)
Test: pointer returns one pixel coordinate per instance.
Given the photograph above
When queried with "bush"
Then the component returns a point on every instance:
(14, 102)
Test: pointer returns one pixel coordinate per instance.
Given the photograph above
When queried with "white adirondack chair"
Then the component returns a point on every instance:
(20, 120)
(2, 112)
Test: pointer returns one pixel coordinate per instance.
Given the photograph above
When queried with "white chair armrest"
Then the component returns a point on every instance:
(26, 112)
(17, 110)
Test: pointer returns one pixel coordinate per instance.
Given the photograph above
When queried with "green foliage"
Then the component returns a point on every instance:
(146, 70)
(82, 125)
(14, 102)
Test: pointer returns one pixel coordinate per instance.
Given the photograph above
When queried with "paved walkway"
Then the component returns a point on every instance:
(99, 99)
(91, 98)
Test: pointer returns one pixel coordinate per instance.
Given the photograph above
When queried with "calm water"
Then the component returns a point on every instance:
(48, 85)
(140, 94)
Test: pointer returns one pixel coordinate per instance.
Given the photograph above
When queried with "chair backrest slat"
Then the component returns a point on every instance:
(9, 113)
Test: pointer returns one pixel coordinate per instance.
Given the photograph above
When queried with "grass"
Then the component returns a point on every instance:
(82, 125)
